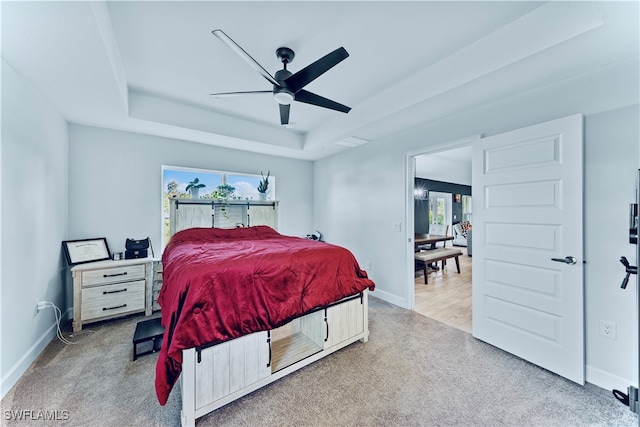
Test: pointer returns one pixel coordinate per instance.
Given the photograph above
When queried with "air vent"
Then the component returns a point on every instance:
(352, 141)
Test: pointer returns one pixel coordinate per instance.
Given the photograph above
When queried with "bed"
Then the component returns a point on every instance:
(244, 307)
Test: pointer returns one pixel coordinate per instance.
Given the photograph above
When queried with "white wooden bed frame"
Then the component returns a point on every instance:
(214, 376)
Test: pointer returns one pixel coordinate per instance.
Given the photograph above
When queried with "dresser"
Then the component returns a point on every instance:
(106, 289)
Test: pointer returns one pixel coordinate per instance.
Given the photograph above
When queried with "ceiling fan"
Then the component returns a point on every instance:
(287, 86)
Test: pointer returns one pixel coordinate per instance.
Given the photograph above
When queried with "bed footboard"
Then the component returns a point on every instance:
(214, 376)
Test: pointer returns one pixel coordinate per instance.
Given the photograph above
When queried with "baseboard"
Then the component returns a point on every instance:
(608, 381)
(17, 370)
(390, 298)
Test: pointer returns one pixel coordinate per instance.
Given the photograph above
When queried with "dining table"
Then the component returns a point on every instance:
(429, 240)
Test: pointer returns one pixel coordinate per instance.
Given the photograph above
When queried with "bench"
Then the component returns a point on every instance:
(424, 258)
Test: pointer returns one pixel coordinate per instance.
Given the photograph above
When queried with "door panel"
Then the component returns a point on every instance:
(539, 194)
(527, 203)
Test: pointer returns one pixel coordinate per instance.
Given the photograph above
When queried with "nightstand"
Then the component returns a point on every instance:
(106, 289)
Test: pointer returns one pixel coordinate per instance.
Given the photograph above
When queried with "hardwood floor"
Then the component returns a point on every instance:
(447, 297)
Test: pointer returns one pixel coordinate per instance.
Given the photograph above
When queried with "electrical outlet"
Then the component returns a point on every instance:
(608, 329)
(40, 305)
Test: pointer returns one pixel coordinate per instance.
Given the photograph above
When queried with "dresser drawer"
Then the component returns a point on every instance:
(157, 273)
(112, 275)
(111, 300)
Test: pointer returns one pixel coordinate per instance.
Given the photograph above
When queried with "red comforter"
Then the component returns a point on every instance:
(220, 284)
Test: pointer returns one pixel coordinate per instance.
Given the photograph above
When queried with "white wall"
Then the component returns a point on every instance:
(34, 195)
(451, 166)
(612, 149)
(115, 182)
(358, 194)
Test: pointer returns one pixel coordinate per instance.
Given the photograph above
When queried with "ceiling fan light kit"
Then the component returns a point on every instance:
(287, 86)
(283, 97)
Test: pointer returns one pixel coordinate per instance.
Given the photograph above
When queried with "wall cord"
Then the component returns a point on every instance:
(59, 334)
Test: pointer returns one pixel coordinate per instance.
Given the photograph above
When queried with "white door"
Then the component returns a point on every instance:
(527, 211)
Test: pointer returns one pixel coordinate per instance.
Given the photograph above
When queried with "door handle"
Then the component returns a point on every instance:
(567, 260)
(629, 269)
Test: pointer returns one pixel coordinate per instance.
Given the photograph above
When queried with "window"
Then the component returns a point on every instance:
(211, 184)
(247, 185)
(438, 207)
(466, 208)
(176, 180)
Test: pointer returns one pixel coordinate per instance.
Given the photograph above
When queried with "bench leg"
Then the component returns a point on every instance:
(426, 273)
(458, 264)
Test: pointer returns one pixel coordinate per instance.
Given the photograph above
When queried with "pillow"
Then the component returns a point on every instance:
(466, 226)
(458, 228)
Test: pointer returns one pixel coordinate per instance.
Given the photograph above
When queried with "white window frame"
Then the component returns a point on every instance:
(223, 177)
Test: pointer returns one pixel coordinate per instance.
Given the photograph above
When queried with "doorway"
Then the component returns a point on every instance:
(442, 196)
(528, 294)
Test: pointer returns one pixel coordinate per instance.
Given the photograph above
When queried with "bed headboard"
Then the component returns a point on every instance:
(189, 213)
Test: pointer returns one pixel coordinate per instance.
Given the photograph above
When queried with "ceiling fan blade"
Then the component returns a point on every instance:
(244, 55)
(284, 114)
(313, 99)
(230, 94)
(297, 81)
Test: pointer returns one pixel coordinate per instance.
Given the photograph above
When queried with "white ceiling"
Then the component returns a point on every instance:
(150, 66)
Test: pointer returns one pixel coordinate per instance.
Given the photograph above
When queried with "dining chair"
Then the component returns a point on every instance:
(440, 229)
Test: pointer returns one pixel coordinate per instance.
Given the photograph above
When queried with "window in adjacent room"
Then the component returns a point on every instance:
(466, 208)
(437, 208)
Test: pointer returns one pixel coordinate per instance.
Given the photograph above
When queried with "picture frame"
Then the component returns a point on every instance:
(458, 198)
(86, 250)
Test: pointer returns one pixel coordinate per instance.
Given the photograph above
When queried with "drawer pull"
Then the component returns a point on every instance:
(114, 292)
(269, 344)
(114, 275)
(113, 308)
(326, 323)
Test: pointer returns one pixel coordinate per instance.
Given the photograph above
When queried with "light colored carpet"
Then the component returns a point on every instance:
(413, 371)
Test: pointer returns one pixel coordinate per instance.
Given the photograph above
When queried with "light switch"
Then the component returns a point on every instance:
(396, 226)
